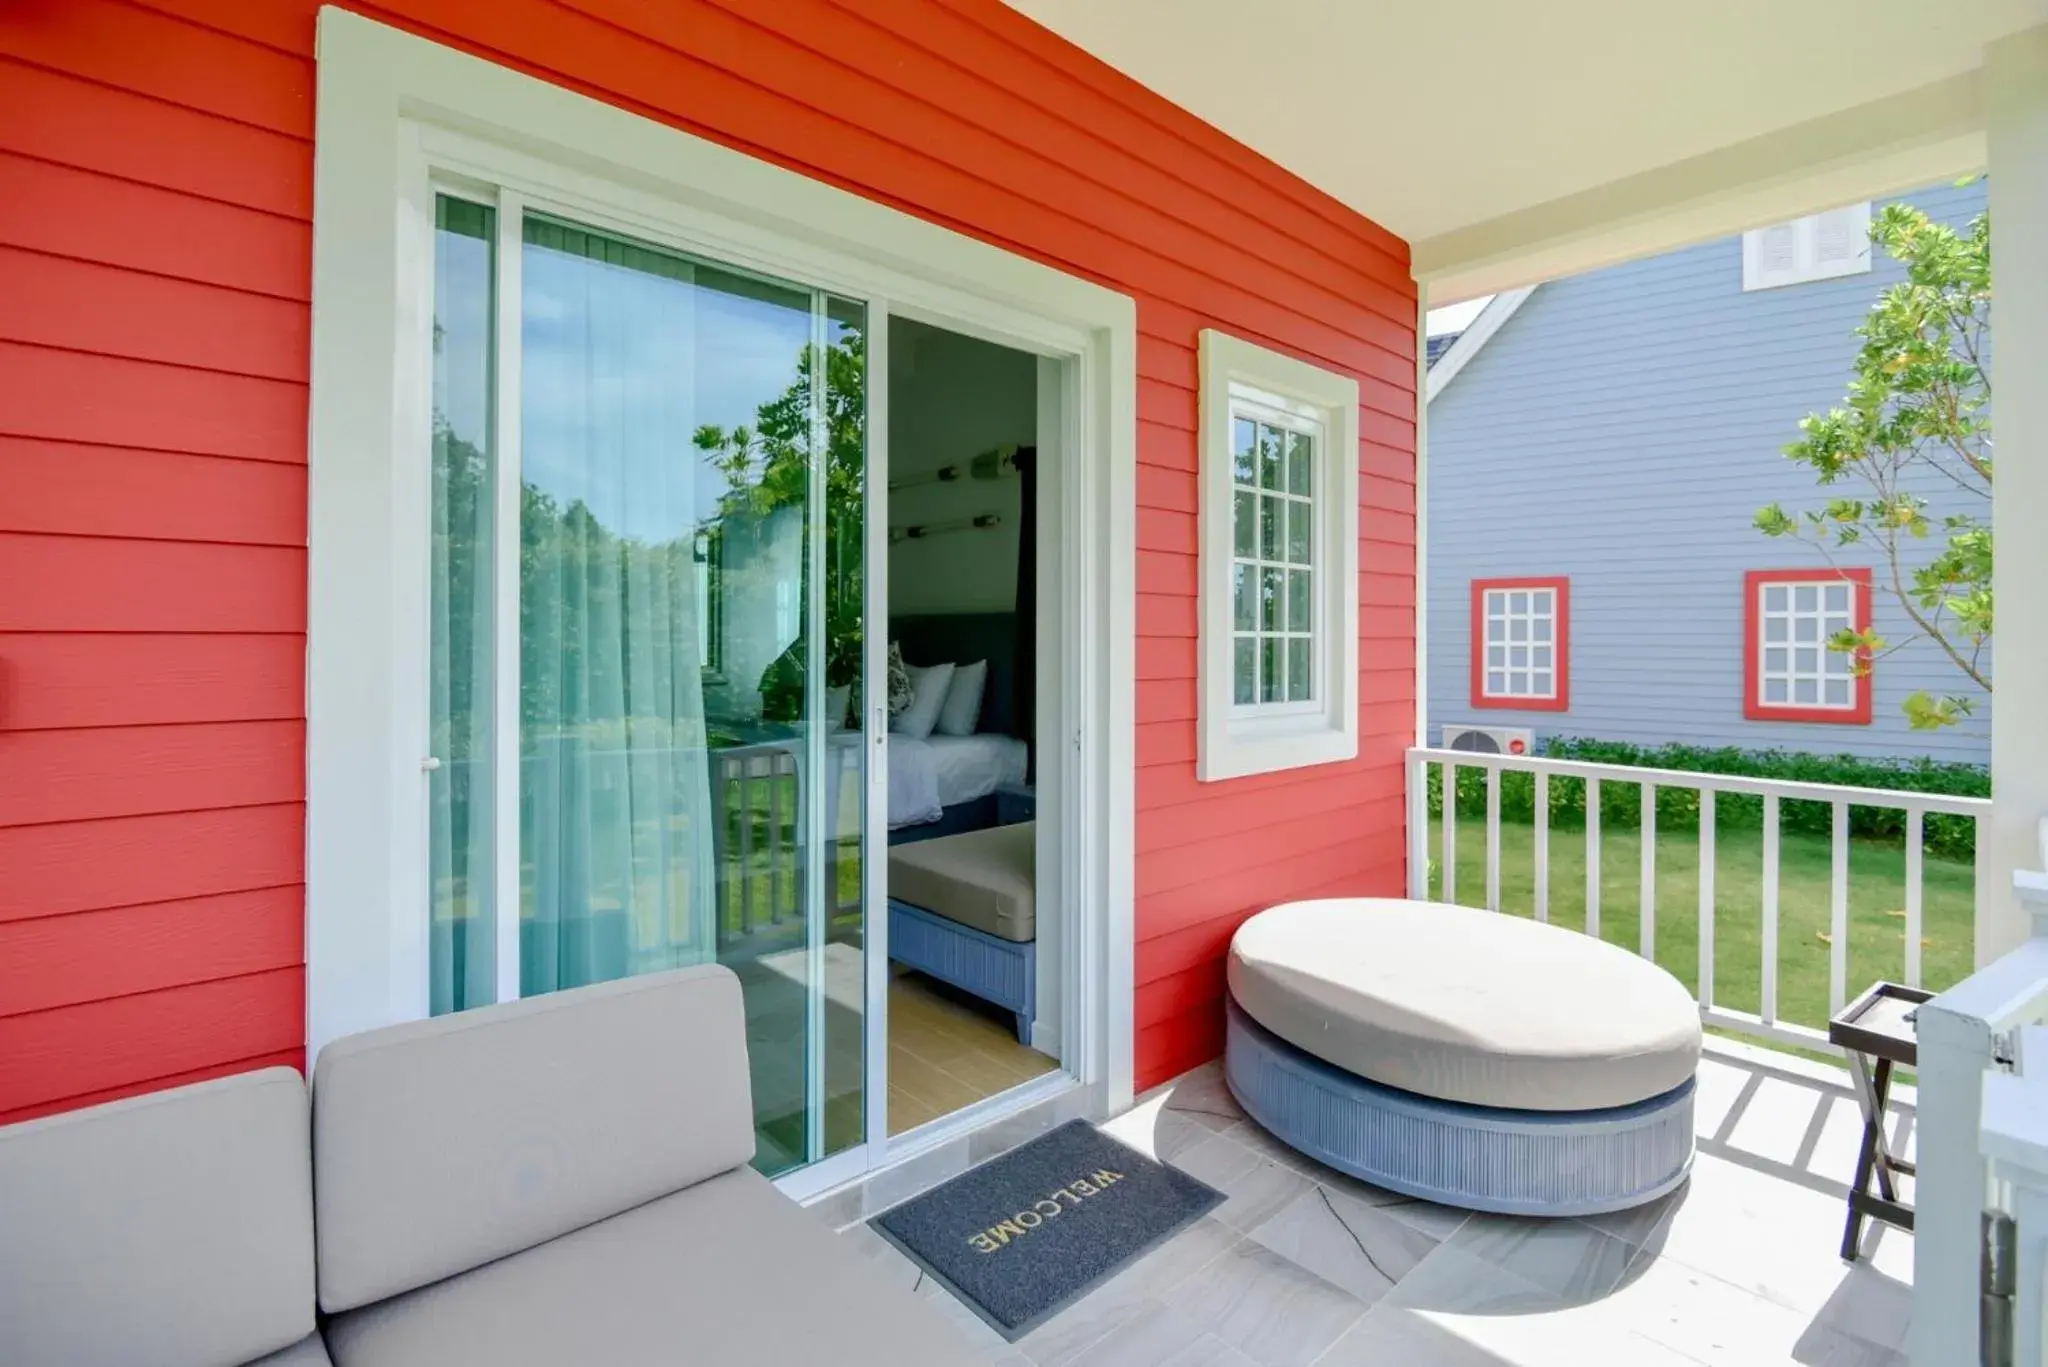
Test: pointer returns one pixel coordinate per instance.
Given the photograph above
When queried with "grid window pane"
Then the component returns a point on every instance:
(1272, 448)
(1797, 668)
(1300, 532)
(1516, 621)
(1299, 608)
(1300, 464)
(1245, 598)
(1273, 585)
(1298, 672)
(1243, 439)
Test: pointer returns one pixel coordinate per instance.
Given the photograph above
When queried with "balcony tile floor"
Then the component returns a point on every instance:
(1302, 1265)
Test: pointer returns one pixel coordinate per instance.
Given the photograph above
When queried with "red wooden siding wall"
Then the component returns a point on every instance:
(155, 205)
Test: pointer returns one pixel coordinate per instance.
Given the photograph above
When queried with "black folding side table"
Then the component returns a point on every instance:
(1878, 1030)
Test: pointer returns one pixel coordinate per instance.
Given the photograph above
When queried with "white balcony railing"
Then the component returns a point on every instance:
(1768, 1020)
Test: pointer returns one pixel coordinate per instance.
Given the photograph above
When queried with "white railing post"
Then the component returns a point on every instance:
(1492, 837)
(1838, 910)
(1418, 827)
(1915, 880)
(1449, 891)
(1707, 871)
(1765, 1021)
(1768, 1006)
(1646, 895)
(1593, 857)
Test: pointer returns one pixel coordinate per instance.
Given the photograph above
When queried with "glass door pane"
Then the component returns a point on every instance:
(464, 473)
(691, 466)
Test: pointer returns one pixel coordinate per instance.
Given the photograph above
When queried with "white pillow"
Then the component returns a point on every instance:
(963, 700)
(927, 695)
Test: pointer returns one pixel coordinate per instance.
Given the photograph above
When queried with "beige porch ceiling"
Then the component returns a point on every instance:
(1510, 142)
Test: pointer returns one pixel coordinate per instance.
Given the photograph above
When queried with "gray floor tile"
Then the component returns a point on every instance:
(1160, 1336)
(1272, 1311)
(1203, 1097)
(1345, 1242)
(1155, 1131)
(1572, 1259)
(1392, 1337)
(1254, 1186)
(1123, 1297)
(1452, 1281)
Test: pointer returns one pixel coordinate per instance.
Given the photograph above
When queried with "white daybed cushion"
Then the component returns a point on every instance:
(1466, 1005)
(981, 879)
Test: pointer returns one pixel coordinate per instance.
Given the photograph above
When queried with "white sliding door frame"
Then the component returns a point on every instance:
(398, 116)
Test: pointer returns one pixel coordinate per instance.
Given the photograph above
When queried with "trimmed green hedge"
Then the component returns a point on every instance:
(1678, 809)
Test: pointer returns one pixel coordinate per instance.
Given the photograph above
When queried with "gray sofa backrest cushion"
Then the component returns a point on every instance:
(170, 1230)
(441, 1145)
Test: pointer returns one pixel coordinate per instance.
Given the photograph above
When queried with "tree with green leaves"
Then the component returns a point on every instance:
(1917, 417)
(768, 466)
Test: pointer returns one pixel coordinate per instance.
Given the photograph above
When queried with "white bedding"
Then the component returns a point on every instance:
(926, 776)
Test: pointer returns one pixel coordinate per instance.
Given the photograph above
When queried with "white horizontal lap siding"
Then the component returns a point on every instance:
(1621, 430)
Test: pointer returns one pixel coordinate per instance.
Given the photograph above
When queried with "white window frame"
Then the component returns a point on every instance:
(399, 114)
(1804, 238)
(1234, 740)
(1828, 660)
(1508, 617)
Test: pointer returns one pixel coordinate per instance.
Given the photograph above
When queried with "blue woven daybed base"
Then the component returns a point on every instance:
(1004, 972)
(1472, 1157)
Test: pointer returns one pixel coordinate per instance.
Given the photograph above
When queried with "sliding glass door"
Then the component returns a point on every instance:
(646, 592)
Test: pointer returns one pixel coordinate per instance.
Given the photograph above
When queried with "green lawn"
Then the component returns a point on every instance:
(1877, 899)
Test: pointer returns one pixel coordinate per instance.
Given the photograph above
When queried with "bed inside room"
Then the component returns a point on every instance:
(963, 624)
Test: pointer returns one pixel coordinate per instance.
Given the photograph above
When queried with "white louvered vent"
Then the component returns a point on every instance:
(1817, 247)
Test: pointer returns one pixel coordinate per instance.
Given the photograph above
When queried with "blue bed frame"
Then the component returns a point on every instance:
(1001, 971)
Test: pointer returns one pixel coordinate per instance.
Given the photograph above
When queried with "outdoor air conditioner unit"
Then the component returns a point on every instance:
(1490, 740)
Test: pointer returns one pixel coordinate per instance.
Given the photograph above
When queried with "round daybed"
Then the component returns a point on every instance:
(1466, 1057)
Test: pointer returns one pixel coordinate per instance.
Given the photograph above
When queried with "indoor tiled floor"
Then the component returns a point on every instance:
(947, 1051)
(1302, 1265)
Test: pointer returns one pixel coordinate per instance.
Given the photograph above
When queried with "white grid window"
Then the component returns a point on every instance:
(1795, 667)
(1272, 566)
(1521, 643)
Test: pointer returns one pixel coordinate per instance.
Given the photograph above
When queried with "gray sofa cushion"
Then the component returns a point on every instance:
(309, 1351)
(440, 1145)
(174, 1228)
(729, 1273)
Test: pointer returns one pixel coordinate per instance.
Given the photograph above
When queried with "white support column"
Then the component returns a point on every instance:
(1421, 513)
(2016, 109)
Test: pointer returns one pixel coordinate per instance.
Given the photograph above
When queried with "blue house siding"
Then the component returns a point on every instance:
(1621, 429)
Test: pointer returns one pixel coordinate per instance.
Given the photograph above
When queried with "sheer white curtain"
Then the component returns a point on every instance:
(615, 810)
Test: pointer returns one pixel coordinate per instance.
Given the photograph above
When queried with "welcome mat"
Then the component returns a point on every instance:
(1026, 1234)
